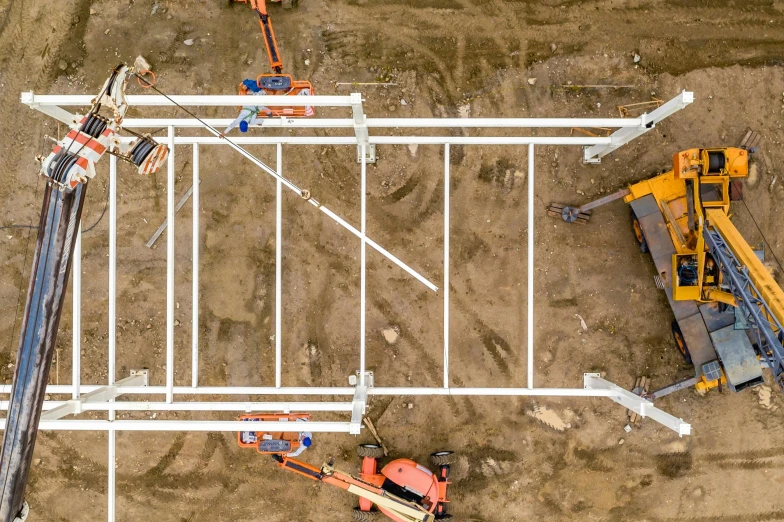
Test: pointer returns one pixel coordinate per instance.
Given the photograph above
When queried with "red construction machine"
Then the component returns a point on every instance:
(277, 83)
(403, 490)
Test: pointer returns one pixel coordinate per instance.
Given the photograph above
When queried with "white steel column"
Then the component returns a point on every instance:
(170, 270)
(195, 272)
(278, 266)
(530, 283)
(446, 265)
(77, 314)
(362, 266)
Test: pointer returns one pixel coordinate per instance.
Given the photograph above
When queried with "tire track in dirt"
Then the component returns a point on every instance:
(498, 347)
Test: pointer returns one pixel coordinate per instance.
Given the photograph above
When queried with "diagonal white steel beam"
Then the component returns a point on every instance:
(640, 406)
(102, 394)
(648, 121)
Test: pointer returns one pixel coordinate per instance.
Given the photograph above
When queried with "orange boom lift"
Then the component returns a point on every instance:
(403, 490)
(277, 83)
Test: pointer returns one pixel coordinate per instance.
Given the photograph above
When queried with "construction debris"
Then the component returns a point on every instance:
(635, 109)
(582, 322)
(640, 388)
(372, 429)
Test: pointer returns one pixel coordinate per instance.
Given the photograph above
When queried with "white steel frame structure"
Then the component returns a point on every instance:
(101, 397)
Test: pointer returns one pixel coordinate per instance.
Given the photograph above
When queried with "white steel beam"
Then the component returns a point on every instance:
(391, 140)
(170, 175)
(112, 267)
(76, 341)
(648, 121)
(389, 123)
(28, 98)
(187, 425)
(367, 152)
(530, 269)
(185, 100)
(112, 472)
(195, 272)
(446, 265)
(326, 391)
(362, 262)
(278, 268)
(359, 404)
(246, 407)
(635, 403)
(103, 394)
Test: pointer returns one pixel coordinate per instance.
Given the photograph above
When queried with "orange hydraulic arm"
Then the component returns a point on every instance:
(325, 474)
(260, 6)
(395, 507)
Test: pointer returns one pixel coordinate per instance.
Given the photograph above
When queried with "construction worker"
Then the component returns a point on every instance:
(305, 441)
(249, 115)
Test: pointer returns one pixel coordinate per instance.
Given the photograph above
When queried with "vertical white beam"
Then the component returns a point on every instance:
(112, 475)
(77, 314)
(362, 261)
(446, 265)
(112, 267)
(530, 306)
(278, 265)
(110, 466)
(195, 272)
(170, 270)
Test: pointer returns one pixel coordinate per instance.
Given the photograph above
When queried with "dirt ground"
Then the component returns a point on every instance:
(447, 58)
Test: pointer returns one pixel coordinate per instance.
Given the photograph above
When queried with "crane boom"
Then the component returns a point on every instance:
(67, 171)
(756, 293)
(265, 23)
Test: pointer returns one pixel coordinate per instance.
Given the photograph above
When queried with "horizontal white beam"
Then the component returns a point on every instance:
(248, 407)
(392, 123)
(186, 100)
(189, 425)
(391, 140)
(346, 391)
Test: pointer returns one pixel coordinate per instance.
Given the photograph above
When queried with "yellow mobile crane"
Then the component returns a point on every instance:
(728, 308)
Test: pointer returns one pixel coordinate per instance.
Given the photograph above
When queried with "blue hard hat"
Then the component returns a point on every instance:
(244, 126)
(251, 85)
(307, 442)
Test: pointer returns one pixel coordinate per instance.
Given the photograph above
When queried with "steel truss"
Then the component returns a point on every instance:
(767, 329)
(97, 397)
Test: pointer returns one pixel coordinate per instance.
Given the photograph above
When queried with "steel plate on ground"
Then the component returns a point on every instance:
(740, 363)
(698, 341)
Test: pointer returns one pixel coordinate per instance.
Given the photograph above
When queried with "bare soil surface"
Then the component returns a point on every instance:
(448, 58)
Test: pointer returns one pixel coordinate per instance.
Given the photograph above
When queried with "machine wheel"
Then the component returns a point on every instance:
(638, 234)
(370, 450)
(364, 516)
(441, 458)
(680, 342)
